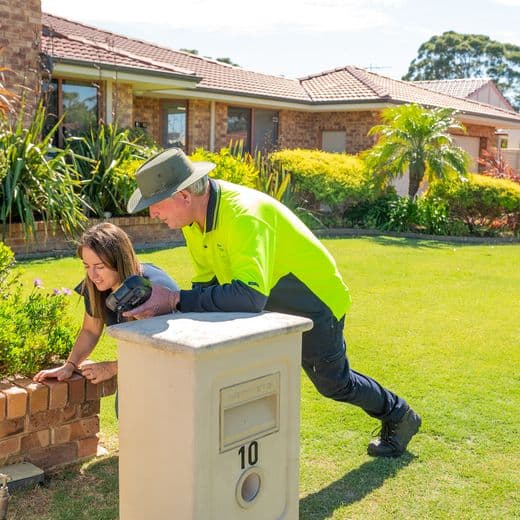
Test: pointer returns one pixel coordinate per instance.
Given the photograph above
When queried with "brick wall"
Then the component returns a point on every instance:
(50, 424)
(221, 126)
(304, 129)
(198, 124)
(20, 32)
(144, 232)
(122, 104)
(148, 110)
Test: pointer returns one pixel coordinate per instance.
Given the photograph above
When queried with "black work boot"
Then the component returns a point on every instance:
(395, 436)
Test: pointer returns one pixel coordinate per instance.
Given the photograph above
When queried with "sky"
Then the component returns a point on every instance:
(296, 38)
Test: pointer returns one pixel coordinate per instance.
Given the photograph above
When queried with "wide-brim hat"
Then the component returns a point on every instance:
(163, 175)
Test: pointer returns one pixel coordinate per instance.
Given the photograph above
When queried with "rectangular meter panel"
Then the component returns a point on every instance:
(249, 410)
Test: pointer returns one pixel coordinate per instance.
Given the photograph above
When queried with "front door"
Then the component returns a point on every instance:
(265, 131)
(174, 124)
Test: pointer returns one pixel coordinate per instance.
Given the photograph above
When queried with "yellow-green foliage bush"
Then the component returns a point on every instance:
(229, 167)
(335, 179)
(480, 201)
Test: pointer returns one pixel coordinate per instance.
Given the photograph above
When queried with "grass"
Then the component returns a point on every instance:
(438, 324)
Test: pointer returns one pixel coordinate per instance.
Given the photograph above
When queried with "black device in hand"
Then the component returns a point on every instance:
(134, 291)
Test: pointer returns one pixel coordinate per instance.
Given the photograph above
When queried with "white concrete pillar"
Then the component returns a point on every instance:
(209, 416)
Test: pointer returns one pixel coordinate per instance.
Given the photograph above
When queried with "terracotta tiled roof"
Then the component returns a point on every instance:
(455, 87)
(355, 84)
(214, 75)
(76, 42)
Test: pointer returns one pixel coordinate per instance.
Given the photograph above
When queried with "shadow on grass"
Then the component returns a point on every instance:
(352, 487)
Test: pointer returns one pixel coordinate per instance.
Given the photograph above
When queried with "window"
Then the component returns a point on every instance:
(239, 126)
(333, 141)
(174, 125)
(78, 104)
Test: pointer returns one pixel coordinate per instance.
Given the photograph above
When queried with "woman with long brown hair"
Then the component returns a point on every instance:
(108, 258)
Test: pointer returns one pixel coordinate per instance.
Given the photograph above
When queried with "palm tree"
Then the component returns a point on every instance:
(417, 138)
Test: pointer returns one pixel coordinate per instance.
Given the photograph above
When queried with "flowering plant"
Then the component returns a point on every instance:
(35, 328)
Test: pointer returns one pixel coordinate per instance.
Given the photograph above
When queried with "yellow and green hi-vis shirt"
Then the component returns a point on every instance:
(254, 249)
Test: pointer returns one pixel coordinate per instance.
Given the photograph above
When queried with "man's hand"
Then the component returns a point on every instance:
(98, 372)
(162, 301)
(60, 373)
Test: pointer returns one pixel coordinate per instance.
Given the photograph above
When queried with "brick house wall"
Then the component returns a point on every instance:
(148, 110)
(304, 129)
(20, 32)
(198, 124)
(221, 126)
(122, 104)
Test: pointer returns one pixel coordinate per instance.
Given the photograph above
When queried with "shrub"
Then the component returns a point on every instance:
(433, 216)
(34, 328)
(230, 167)
(97, 156)
(494, 165)
(327, 182)
(486, 205)
(373, 214)
(36, 181)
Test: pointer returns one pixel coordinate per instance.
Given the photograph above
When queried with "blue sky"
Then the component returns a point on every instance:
(294, 38)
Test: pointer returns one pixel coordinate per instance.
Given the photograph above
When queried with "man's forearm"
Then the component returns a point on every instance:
(232, 297)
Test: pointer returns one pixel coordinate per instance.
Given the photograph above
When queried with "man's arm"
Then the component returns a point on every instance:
(230, 297)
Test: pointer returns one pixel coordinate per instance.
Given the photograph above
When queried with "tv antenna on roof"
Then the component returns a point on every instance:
(376, 67)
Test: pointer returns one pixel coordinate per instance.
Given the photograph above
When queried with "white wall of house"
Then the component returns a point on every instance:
(491, 96)
(513, 139)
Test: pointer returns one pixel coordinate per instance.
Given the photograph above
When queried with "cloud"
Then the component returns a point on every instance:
(511, 3)
(233, 15)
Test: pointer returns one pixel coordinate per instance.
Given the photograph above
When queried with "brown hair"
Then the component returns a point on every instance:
(115, 250)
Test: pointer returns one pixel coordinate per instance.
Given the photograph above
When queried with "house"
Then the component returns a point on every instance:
(485, 91)
(186, 100)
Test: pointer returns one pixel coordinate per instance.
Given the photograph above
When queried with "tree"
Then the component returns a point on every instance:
(416, 138)
(452, 56)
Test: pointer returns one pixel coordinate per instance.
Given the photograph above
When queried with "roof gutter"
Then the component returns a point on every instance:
(270, 101)
(86, 69)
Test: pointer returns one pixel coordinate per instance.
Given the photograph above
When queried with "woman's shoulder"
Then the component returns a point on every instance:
(158, 276)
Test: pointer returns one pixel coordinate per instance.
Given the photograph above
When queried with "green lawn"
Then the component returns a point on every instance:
(437, 323)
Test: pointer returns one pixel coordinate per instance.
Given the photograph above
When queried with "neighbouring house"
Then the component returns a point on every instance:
(181, 99)
(483, 90)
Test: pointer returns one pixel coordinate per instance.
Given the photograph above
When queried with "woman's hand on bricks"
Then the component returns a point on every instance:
(98, 372)
(60, 373)
(161, 301)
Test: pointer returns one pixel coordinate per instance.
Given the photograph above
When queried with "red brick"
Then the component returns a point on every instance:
(87, 447)
(3, 400)
(36, 440)
(16, 399)
(89, 408)
(76, 389)
(9, 446)
(43, 420)
(11, 426)
(93, 391)
(53, 456)
(68, 413)
(109, 386)
(76, 430)
(58, 393)
(37, 394)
